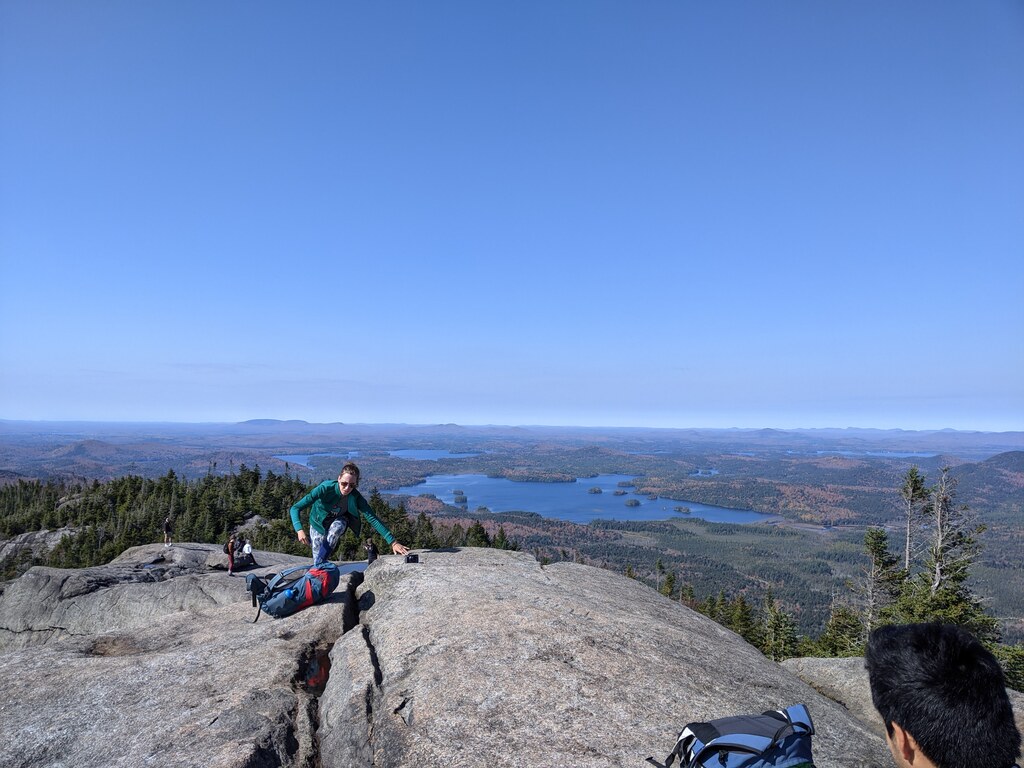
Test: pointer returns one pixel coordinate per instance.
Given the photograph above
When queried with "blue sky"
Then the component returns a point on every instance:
(742, 214)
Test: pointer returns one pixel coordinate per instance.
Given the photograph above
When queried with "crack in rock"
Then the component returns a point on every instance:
(404, 710)
(315, 672)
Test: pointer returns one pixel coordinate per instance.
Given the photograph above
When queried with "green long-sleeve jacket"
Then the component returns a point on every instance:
(328, 504)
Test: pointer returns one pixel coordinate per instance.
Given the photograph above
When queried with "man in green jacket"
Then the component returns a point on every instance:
(337, 505)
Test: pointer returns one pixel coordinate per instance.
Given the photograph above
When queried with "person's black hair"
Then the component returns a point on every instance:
(944, 688)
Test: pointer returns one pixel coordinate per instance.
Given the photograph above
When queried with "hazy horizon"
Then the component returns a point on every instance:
(141, 422)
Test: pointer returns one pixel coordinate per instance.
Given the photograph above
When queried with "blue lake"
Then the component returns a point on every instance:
(572, 502)
(302, 459)
(429, 454)
(881, 454)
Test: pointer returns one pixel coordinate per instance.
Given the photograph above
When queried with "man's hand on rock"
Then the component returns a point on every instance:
(399, 549)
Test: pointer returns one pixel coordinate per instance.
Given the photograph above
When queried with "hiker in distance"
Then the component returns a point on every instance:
(229, 550)
(942, 697)
(168, 529)
(337, 505)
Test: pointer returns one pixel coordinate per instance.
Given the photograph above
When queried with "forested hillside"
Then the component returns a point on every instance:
(106, 518)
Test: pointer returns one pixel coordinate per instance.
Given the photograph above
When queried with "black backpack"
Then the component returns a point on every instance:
(776, 739)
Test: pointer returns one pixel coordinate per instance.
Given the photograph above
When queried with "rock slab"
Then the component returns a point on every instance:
(846, 681)
(178, 679)
(482, 657)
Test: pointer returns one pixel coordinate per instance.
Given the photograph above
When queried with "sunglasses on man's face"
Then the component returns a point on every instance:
(345, 484)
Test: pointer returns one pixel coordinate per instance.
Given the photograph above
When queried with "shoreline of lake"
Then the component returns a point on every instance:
(583, 501)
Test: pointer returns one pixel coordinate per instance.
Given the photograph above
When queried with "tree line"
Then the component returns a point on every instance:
(106, 518)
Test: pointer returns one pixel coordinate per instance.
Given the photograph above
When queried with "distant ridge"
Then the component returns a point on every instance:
(273, 423)
(1011, 460)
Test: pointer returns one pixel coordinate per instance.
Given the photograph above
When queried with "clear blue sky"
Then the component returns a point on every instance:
(752, 214)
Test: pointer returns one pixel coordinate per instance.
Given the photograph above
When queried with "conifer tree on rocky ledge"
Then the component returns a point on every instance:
(939, 590)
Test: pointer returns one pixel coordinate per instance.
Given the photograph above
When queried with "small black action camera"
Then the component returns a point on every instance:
(410, 558)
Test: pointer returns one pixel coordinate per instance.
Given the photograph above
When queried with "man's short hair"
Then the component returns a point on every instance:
(945, 689)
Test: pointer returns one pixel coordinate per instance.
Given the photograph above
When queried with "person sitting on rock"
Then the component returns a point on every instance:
(942, 697)
(247, 556)
(337, 505)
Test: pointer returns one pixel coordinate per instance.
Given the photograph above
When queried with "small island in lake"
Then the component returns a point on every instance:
(682, 510)
(595, 489)
(632, 503)
(620, 492)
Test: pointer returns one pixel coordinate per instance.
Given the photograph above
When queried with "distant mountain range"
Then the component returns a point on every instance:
(103, 450)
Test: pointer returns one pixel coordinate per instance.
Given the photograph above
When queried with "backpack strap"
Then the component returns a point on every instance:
(742, 742)
(799, 718)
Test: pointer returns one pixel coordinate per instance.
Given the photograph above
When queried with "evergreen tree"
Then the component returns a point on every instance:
(844, 633)
(456, 536)
(742, 620)
(502, 541)
(1011, 657)
(476, 535)
(668, 588)
(940, 591)
(882, 582)
(687, 596)
(914, 495)
(721, 608)
(778, 631)
(707, 607)
(425, 537)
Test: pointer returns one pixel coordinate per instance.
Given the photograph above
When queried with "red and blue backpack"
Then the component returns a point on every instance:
(292, 590)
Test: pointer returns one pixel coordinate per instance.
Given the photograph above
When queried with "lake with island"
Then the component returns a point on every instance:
(578, 502)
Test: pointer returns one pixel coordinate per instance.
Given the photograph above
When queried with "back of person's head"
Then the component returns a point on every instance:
(941, 685)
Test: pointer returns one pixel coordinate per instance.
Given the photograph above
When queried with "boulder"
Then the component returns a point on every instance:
(32, 544)
(141, 584)
(845, 681)
(197, 687)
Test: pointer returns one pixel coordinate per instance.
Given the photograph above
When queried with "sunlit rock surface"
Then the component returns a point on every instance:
(470, 657)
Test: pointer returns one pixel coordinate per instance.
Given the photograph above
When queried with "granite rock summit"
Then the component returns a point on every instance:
(471, 657)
